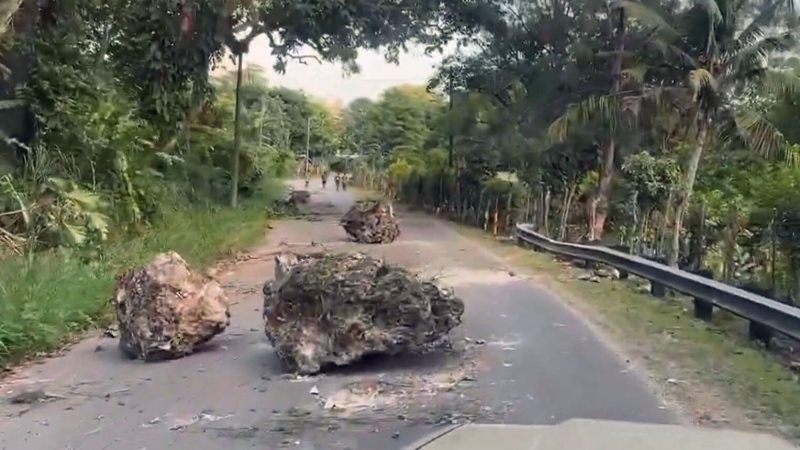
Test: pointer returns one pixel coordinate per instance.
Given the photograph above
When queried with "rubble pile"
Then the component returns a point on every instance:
(291, 203)
(165, 310)
(332, 309)
(371, 222)
(297, 198)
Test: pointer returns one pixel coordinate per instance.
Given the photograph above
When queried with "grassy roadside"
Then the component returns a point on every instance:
(47, 300)
(711, 370)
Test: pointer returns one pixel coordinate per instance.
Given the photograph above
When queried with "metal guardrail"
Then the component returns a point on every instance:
(764, 314)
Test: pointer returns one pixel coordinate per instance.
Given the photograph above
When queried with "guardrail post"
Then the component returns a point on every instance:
(758, 331)
(587, 263)
(703, 310)
(657, 290)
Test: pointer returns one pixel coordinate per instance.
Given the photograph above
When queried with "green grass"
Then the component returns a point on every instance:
(713, 369)
(47, 300)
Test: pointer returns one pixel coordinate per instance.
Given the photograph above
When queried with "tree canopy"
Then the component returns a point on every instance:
(667, 126)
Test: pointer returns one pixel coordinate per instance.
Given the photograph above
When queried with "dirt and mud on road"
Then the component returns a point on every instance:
(520, 357)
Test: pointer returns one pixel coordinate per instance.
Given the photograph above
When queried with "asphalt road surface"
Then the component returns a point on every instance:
(521, 357)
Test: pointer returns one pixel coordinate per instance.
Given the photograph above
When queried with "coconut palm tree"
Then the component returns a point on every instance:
(716, 53)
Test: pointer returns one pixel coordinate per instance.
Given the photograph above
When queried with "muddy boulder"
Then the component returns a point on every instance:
(371, 222)
(333, 309)
(165, 310)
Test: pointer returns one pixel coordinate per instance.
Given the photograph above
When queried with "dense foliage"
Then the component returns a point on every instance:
(129, 121)
(665, 126)
(116, 142)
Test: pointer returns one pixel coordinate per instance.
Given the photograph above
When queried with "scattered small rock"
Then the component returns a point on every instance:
(110, 332)
(30, 397)
(588, 276)
(607, 272)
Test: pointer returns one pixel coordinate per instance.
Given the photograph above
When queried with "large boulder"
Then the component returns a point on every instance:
(165, 310)
(332, 309)
(371, 222)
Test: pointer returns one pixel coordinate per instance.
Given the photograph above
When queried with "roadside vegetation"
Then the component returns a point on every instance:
(94, 195)
(665, 127)
(116, 142)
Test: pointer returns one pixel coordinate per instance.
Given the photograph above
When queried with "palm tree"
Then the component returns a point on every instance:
(717, 53)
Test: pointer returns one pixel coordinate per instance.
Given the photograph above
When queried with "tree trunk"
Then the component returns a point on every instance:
(457, 200)
(528, 207)
(603, 192)
(237, 136)
(562, 227)
(688, 186)
(599, 209)
(546, 213)
(496, 215)
(794, 271)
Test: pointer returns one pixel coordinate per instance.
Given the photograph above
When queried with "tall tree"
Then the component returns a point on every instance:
(716, 52)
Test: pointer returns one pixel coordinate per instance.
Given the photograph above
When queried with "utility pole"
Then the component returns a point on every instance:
(451, 148)
(308, 142)
(237, 134)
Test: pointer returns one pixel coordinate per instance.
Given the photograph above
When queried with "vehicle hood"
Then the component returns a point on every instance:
(585, 434)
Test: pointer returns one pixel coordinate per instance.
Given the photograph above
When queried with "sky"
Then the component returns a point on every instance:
(328, 82)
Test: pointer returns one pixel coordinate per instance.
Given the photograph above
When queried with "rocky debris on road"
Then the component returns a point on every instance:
(297, 197)
(332, 309)
(293, 200)
(376, 404)
(165, 310)
(29, 397)
(387, 401)
(371, 222)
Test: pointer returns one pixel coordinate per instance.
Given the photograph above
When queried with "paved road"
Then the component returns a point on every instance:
(521, 357)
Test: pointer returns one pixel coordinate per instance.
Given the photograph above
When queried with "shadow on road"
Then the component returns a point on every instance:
(375, 364)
